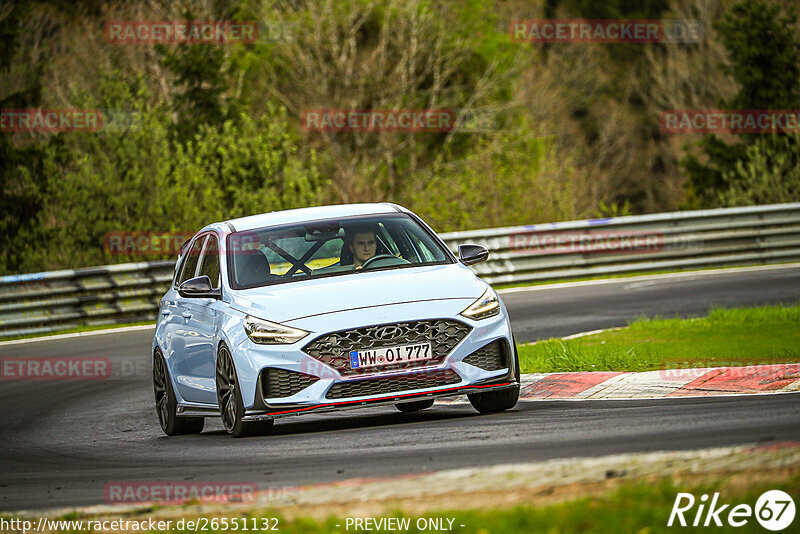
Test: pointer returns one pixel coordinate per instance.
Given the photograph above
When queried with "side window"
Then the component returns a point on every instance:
(210, 261)
(190, 263)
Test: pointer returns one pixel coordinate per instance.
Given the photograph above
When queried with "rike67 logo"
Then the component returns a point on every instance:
(774, 510)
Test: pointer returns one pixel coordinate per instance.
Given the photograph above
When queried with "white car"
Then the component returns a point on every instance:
(321, 309)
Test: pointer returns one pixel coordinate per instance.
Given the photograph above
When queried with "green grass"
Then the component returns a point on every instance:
(635, 507)
(77, 329)
(726, 337)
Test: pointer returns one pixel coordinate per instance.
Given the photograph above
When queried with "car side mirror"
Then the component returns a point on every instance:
(199, 287)
(472, 254)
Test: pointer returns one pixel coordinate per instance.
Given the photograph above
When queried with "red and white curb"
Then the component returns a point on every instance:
(753, 379)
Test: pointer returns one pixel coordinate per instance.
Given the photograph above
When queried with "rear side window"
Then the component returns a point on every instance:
(190, 262)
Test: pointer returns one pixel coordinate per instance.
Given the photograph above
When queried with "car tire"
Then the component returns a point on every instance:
(166, 403)
(495, 401)
(502, 400)
(229, 398)
(416, 406)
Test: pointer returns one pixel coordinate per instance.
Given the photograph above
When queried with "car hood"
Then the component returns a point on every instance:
(296, 300)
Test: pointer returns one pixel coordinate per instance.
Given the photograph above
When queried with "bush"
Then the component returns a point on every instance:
(770, 173)
(133, 178)
(501, 182)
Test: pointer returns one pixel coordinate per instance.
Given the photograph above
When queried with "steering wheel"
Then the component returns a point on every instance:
(382, 257)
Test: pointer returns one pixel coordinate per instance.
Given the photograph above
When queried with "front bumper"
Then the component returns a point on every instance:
(391, 399)
(458, 376)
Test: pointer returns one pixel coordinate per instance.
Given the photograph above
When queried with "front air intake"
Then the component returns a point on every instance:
(490, 357)
(277, 383)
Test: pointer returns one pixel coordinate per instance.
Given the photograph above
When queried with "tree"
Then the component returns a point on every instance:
(764, 56)
(770, 174)
(135, 178)
(20, 178)
(201, 88)
(200, 85)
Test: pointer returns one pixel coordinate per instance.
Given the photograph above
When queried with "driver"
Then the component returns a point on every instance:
(363, 245)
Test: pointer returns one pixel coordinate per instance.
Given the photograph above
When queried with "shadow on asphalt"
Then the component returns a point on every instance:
(343, 421)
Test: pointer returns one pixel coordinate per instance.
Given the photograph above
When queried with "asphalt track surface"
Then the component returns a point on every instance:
(62, 442)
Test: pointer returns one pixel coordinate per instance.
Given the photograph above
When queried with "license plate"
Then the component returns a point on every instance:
(359, 359)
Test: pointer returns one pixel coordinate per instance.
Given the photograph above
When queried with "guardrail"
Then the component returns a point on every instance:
(49, 301)
(662, 241)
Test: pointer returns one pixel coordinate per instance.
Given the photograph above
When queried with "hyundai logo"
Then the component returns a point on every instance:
(387, 332)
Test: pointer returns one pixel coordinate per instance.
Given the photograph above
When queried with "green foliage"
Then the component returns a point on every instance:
(254, 165)
(612, 9)
(200, 91)
(9, 31)
(217, 129)
(199, 87)
(768, 174)
(133, 178)
(613, 209)
(21, 179)
(764, 55)
(358, 54)
(608, 10)
(454, 194)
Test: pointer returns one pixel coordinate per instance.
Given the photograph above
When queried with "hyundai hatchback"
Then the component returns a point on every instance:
(326, 308)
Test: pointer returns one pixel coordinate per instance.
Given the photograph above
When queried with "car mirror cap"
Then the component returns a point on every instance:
(472, 254)
(198, 287)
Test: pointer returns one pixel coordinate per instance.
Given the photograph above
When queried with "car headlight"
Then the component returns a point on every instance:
(488, 305)
(267, 333)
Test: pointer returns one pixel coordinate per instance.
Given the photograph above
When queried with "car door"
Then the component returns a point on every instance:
(202, 319)
(183, 332)
(170, 321)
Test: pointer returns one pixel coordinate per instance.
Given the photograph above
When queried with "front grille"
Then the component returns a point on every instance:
(334, 349)
(489, 357)
(276, 383)
(392, 384)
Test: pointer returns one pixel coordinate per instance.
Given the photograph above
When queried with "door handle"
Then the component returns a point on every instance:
(186, 315)
(166, 313)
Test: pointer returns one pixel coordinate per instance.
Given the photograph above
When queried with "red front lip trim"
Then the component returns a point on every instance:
(317, 406)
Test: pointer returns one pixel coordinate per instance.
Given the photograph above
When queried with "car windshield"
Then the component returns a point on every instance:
(289, 253)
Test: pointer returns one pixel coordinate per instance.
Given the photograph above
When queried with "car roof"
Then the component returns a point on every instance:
(301, 215)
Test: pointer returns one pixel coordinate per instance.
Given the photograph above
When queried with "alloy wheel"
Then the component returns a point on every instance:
(160, 390)
(226, 389)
